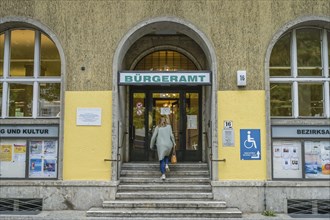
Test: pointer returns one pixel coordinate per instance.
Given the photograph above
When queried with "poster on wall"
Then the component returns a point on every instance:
(6, 152)
(35, 147)
(287, 159)
(317, 159)
(12, 158)
(43, 159)
(50, 148)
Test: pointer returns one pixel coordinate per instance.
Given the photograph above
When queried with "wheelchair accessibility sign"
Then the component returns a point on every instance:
(250, 144)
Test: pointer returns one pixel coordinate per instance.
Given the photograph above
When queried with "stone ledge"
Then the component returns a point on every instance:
(246, 183)
(56, 183)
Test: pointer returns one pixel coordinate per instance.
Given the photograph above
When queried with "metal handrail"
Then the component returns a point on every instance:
(211, 155)
(118, 152)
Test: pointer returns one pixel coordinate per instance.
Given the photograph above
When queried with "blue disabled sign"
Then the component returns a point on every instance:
(250, 144)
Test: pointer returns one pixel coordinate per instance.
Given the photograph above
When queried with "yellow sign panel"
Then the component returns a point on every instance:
(6, 152)
(19, 149)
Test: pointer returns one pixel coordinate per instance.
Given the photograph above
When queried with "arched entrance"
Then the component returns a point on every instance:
(155, 35)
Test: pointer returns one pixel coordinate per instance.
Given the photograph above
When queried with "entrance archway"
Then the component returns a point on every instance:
(120, 95)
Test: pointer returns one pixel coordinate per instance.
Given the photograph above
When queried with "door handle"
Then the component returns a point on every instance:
(133, 132)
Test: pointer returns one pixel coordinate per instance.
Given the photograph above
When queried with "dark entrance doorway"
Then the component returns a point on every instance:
(182, 104)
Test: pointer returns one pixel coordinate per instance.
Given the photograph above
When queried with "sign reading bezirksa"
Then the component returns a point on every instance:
(164, 78)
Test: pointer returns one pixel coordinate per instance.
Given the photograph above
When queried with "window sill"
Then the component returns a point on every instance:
(300, 121)
(30, 121)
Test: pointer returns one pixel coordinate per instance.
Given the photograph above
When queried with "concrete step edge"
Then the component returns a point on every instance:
(139, 212)
(164, 204)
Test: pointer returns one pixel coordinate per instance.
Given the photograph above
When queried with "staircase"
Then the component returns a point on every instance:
(185, 194)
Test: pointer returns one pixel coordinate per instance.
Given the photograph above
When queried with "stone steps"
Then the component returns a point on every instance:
(164, 195)
(164, 187)
(155, 166)
(157, 180)
(148, 213)
(178, 204)
(173, 173)
(185, 194)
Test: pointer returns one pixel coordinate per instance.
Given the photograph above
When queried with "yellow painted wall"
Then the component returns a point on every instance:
(86, 147)
(247, 111)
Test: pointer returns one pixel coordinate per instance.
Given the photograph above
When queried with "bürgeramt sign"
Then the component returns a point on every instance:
(164, 78)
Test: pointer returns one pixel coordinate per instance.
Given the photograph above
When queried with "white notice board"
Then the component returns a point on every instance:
(12, 158)
(287, 159)
(89, 116)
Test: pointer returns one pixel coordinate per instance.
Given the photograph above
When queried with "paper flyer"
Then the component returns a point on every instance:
(50, 168)
(35, 147)
(50, 148)
(6, 152)
(35, 165)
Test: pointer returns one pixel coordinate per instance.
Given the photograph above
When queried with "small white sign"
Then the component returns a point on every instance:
(89, 116)
(228, 138)
(241, 78)
(228, 124)
(165, 111)
(191, 121)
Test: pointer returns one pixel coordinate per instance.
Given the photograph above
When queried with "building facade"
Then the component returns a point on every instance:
(245, 84)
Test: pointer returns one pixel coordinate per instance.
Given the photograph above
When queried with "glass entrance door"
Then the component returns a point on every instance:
(183, 109)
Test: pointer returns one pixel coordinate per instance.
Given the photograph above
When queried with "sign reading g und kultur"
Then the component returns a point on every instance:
(164, 78)
(49, 131)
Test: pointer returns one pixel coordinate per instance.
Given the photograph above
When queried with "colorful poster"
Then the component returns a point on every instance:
(50, 168)
(317, 159)
(50, 148)
(35, 147)
(35, 165)
(6, 153)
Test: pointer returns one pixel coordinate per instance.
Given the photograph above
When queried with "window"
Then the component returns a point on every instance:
(30, 75)
(166, 61)
(299, 74)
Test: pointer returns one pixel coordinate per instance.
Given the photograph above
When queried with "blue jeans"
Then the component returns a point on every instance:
(162, 164)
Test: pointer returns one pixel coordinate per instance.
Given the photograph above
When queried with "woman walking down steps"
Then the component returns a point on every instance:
(163, 138)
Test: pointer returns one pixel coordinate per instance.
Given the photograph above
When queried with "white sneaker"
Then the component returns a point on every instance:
(167, 168)
(163, 177)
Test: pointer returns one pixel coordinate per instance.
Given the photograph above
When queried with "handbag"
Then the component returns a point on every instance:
(173, 157)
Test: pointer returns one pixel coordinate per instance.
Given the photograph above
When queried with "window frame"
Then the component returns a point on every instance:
(36, 79)
(294, 79)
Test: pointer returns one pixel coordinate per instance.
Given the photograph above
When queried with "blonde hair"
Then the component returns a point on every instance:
(164, 121)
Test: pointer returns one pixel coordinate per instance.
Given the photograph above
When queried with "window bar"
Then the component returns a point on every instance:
(326, 100)
(6, 62)
(295, 97)
(294, 69)
(4, 99)
(325, 54)
(36, 74)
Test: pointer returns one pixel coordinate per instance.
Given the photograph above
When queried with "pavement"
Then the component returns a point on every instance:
(81, 215)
